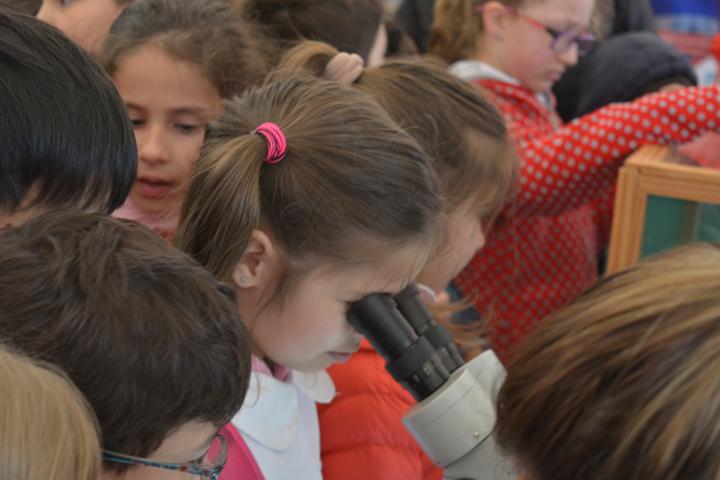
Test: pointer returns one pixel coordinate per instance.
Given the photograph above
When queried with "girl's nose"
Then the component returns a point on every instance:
(570, 56)
(152, 146)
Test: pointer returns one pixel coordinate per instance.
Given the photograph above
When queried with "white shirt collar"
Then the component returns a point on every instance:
(471, 70)
(474, 70)
(272, 408)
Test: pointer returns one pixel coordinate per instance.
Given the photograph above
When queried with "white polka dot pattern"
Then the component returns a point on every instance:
(544, 249)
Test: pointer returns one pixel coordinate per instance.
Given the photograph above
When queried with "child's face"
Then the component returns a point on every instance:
(525, 53)
(187, 444)
(170, 103)
(86, 22)
(379, 48)
(309, 331)
(464, 238)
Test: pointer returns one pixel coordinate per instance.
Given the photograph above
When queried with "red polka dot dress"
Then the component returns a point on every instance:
(544, 249)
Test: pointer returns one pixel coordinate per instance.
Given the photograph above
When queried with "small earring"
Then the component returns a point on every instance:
(243, 279)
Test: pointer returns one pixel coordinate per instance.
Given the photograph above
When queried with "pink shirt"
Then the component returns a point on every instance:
(164, 224)
(240, 462)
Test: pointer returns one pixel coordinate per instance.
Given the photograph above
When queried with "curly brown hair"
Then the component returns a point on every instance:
(207, 33)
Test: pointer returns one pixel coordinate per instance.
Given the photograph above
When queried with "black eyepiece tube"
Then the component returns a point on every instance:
(422, 321)
(376, 317)
(411, 360)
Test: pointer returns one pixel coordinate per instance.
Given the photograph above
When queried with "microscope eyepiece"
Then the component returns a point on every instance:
(423, 322)
(455, 416)
(411, 359)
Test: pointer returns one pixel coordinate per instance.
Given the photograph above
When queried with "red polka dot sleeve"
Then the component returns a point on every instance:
(564, 167)
(544, 250)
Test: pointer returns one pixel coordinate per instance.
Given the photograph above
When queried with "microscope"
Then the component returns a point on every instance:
(454, 418)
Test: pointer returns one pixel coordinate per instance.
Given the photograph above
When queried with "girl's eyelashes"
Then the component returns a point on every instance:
(184, 128)
(354, 300)
(188, 129)
(367, 294)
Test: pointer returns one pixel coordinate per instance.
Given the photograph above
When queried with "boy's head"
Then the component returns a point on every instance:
(146, 334)
(66, 138)
(86, 22)
(623, 382)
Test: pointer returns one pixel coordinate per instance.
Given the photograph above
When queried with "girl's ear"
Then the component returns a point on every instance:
(258, 263)
(495, 17)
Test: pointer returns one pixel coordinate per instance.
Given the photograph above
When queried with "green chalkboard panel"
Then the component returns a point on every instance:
(670, 222)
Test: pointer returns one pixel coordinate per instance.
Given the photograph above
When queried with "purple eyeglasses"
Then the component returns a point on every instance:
(561, 41)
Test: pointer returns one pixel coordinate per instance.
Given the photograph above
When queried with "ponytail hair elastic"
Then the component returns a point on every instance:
(275, 143)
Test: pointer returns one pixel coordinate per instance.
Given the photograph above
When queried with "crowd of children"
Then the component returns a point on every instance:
(194, 192)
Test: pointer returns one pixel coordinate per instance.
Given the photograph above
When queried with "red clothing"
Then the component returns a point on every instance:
(544, 249)
(361, 433)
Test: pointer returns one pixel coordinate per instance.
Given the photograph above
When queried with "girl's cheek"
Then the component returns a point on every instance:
(191, 145)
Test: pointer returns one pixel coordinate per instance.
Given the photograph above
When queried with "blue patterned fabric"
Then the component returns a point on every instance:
(687, 16)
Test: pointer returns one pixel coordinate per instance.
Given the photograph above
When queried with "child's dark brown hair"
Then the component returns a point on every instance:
(147, 335)
(352, 188)
(47, 160)
(349, 25)
(206, 33)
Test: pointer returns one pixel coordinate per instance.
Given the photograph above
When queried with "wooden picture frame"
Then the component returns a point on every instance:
(656, 174)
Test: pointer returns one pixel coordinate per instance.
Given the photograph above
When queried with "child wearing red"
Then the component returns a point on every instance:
(544, 249)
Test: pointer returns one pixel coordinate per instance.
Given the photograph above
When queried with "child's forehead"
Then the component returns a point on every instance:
(563, 13)
(390, 274)
(150, 76)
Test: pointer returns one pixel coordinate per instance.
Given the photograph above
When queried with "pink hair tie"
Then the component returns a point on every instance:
(275, 143)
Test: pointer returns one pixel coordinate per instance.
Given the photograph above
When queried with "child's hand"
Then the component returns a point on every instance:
(470, 338)
(672, 87)
(442, 298)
